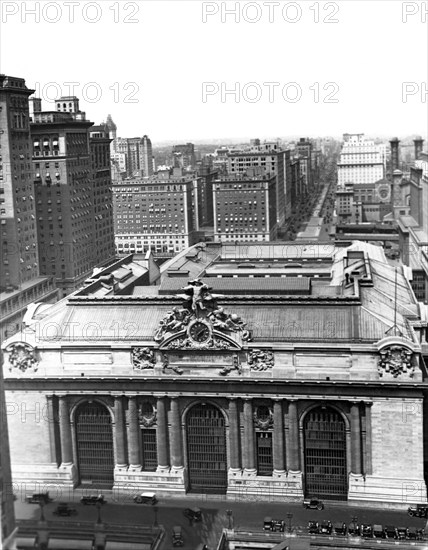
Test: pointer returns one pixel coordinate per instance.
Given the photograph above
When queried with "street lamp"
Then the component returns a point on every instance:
(354, 521)
(289, 517)
(230, 517)
(155, 511)
(42, 515)
(99, 512)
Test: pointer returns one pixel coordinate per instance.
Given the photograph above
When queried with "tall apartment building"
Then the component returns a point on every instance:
(135, 155)
(99, 144)
(20, 278)
(153, 214)
(184, 156)
(245, 208)
(267, 159)
(361, 161)
(67, 195)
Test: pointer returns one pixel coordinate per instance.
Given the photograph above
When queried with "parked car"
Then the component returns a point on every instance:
(146, 498)
(63, 509)
(93, 499)
(419, 511)
(378, 532)
(390, 532)
(313, 504)
(412, 533)
(193, 514)
(340, 528)
(354, 529)
(313, 527)
(37, 498)
(326, 527)
(177, 536)
(271, 524)
(402, 533)
(366, 531)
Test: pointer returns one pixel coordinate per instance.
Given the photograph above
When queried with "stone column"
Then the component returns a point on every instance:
(120, 436)
(293, 448)
(278, 439)
(249, 456)
(235, 463)
(162, 435)
(355, 439)
(368, 468)
(175, 436)
(65, 433)
(52, 419)
(133, 435)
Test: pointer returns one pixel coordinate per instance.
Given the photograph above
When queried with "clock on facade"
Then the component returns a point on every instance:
(199, 331)
(383, 192)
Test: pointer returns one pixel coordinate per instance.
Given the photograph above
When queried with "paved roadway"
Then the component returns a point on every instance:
(246, 515)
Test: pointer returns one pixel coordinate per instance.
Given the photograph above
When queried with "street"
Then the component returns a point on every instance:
(245, 516)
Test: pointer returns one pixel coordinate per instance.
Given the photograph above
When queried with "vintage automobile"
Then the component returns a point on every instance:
(37, 498)
(63, 509)
(378, 532)
(413, 533)
(366, 531)
(146, 498)
(326, 527)
(193, 514)
(177, 536)
(93, 499)
(313, 504)
(354, 529)
(390, 532)
(402, 533)
(271, 524)
(418, 511)
(340, 528)
(313, 527)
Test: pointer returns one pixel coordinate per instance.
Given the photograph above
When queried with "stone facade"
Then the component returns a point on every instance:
(193, 397)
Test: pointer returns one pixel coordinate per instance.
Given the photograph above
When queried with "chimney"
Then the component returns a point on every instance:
(419, 144)
(395, 154)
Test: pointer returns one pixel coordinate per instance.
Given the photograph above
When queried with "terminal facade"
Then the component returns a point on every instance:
(264, 371)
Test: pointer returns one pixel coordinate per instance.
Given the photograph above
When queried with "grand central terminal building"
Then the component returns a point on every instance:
(268, 371)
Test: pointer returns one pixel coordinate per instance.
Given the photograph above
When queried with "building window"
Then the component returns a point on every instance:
(150, 461)
(264, 453)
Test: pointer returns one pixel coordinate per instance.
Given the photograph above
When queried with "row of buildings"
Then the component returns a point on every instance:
(392, 209)
(56, 208)
(247, 196)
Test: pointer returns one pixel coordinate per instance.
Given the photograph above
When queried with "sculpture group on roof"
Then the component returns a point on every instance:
(199, 303)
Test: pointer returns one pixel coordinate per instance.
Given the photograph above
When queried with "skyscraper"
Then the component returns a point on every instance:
(20, 278)
(70, 194)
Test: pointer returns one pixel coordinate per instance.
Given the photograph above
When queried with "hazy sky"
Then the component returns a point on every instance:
(298, 68)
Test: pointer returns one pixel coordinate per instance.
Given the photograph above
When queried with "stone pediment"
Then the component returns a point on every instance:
(200, 323)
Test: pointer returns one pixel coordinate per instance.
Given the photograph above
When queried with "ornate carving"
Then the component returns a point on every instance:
(199, 308)
(260, 359)
(22, 356)
(395, 360)
(263, 417)
(147, 420)
(186, 343)
(166, 365)
(236, 365)
(143, 358)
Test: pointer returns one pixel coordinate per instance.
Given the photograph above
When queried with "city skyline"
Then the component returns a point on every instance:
(292, 75)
